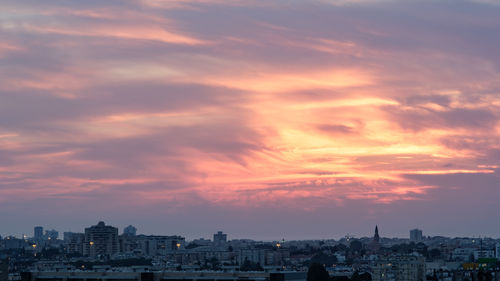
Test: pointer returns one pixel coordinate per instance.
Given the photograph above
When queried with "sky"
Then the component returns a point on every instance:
(264, 119)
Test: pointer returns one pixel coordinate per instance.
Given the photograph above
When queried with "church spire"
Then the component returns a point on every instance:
(376, 238)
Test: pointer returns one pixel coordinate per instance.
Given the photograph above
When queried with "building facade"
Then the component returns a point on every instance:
(400, 268)
(100, 240)
(38, 233)
(415, 235)
(220, 239)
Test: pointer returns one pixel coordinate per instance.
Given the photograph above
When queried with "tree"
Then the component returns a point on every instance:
(434, 253)
(322, 258)
(365, 276)
(361, 277)
(192, 246)
(488, 276)
(317, 272)
(250, 266)
(355, 246)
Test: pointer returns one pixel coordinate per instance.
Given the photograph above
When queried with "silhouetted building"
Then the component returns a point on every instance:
(153, 245)
(73, 242)
(38, 233)
(100, 240)
(51, 234)
(374, 245)
(220, 239)
(11, 242)
(415, 235)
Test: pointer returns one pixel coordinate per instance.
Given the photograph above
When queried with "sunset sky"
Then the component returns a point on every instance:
(265, 119)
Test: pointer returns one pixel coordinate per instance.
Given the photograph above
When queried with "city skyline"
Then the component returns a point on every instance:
(122, 231)
(285, 119)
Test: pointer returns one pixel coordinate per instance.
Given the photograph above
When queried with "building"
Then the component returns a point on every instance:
(220, 239)
(463, 254)
(100, 240)
(415, 235)
(374, 245)
(376, 237)
(130, 231)
(51, 234)
(497, 251)
(252, 255)
(38, 233)
(482, 254)
(161, 276)
(11, 242)
(73, 242)
(67, 236)
(4, 269)
(150, 245)
(400, 268)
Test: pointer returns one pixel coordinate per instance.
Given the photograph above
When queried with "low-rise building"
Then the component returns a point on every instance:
(400, 268)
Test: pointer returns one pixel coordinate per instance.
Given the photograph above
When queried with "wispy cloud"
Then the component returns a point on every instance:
(351, 108)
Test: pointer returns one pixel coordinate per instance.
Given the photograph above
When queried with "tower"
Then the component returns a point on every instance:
(376, 237)
(38, 233)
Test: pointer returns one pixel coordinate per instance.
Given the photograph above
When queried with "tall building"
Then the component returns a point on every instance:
(220, 239)
(130, 231)
(67, 236)
(38, 235)
(73, 242)
(51, 234)
(497, 251)
(415, 235)
(100, 240)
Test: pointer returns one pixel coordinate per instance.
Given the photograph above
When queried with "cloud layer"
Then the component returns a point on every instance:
(237, 115)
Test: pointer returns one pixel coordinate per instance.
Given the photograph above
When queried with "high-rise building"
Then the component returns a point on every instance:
(38, 233)
(129, 231)
(73, 242)
(67, 236)
(51, 234)
(100, 240)
(415, 235)
(220, 239)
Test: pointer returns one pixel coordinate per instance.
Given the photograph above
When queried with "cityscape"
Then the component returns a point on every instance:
(103, 249)
(249, 140)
